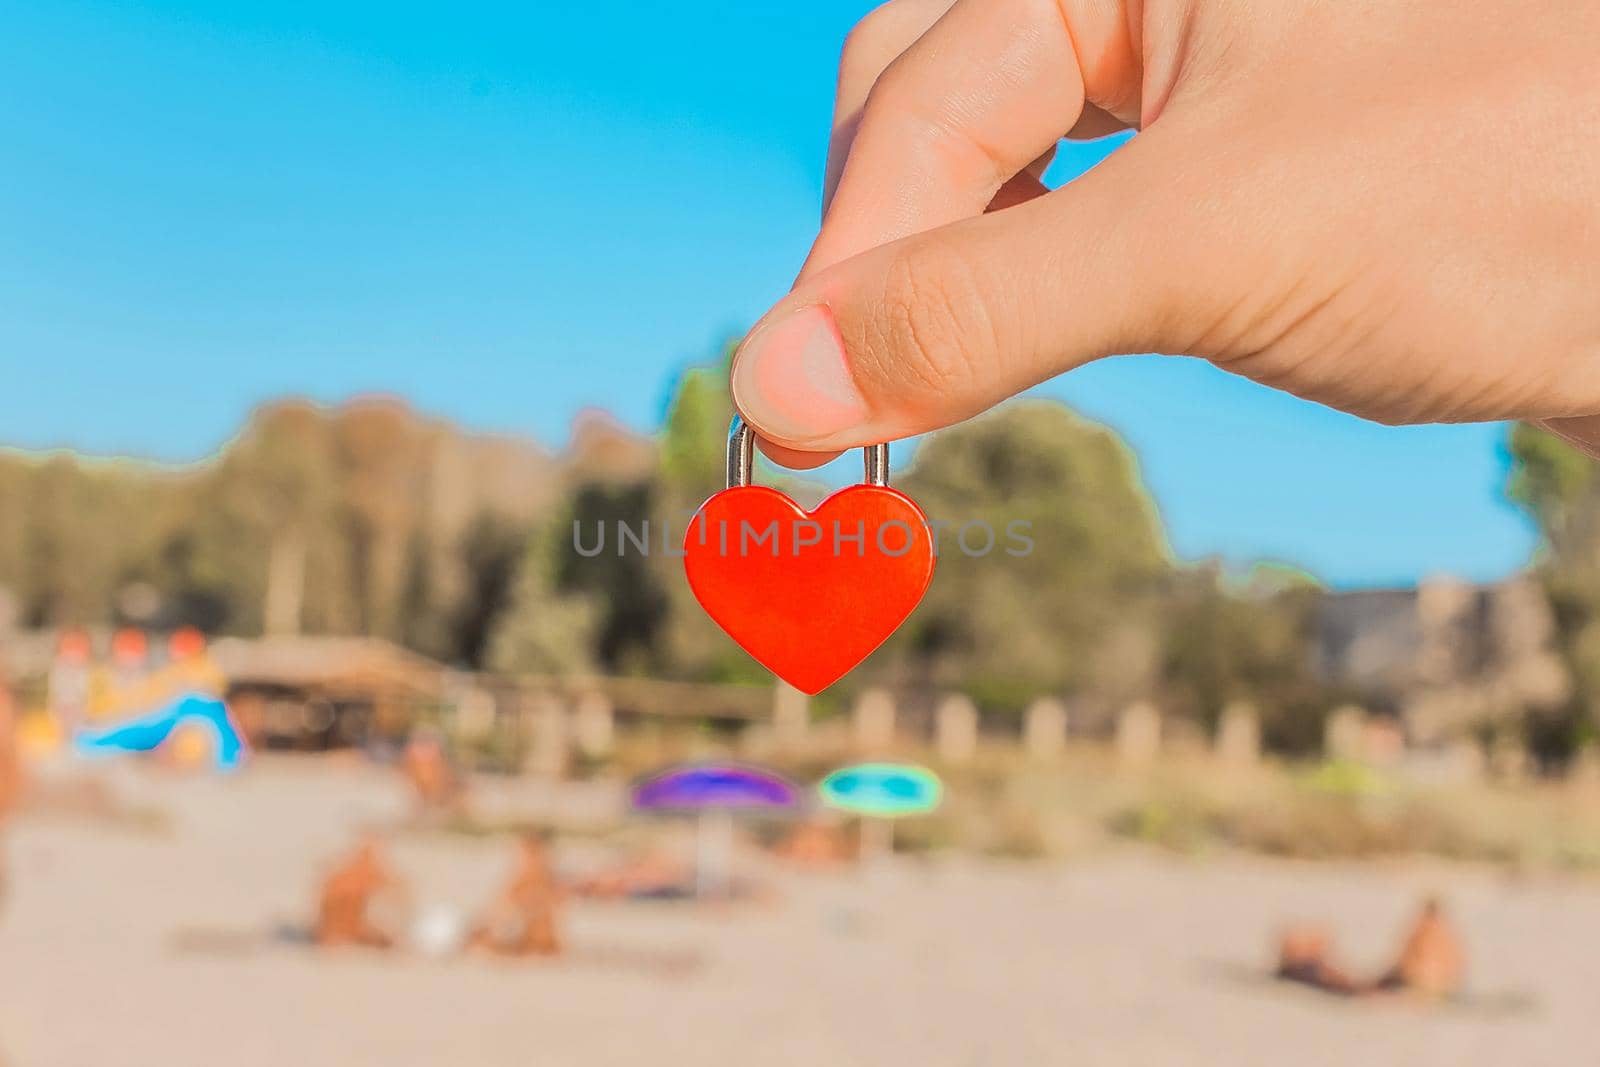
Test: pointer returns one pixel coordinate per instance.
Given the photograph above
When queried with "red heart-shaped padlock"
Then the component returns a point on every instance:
(808, 594)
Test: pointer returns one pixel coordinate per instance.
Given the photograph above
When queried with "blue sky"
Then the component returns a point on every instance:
(506, 212)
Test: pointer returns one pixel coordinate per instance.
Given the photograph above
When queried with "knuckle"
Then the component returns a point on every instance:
(888, 96)
(869, 38)
(929, 328)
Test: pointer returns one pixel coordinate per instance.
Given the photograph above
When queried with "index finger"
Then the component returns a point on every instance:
(989, 88)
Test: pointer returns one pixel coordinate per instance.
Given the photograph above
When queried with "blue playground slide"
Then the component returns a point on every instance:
(147, 732)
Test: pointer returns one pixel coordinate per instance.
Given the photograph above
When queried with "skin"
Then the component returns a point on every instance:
(1430, 965)
(10, 759)
(432, 778)
(348, 895)
(11, 776)
(524, 919)
(1391, 207)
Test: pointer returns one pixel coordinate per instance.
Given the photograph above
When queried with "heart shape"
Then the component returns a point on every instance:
(809, 594)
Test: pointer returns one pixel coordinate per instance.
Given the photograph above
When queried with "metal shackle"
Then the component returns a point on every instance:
(742, 457)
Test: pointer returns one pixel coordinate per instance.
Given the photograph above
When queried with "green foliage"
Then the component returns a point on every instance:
(1251, 644)
(370, 519)
(491, 553)
(633, 604)
(638, 614)
(694, 438)
(1552, 481)
(694, 449)
(1064, 598)
(1345, 778)
(72, 534)
(1556, 485)
(546, 631)
(338, 520)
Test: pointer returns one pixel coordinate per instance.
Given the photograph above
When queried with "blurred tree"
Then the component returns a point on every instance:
(545, 631)
(379, 447)
(1251, 641)
(694, 452)
(1054, 575)
(618, 577)
(265, 516)
(1556, 485)
(491, 553)
(694, 440)
(363, 518)
(1051, 556)
(421, 627)
(78, 532)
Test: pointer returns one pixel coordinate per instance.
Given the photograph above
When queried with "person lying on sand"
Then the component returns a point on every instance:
(648, 875)
(524, 919)
(1303, 958)
(1431, 963)
(345, 913)
(816, 845)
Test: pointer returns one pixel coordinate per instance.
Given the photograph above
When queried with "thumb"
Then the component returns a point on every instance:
(932, 329)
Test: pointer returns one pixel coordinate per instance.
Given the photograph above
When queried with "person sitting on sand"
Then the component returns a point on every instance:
(1431, 963)
(10, 757)
(427, 768)
(349, 896)
(10, 763)
(524, 919)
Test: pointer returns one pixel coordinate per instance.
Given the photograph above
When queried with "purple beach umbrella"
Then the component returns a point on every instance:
(714, 793)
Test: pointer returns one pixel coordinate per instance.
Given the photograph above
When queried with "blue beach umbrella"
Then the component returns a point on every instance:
(880, 793)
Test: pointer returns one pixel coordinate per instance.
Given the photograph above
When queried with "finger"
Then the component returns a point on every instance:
(1041, 164)
(934, 118)
(1018, 190)
(1582, 432)
(794, 458)
(1097, 122)
(988, 88)
(1025, 186)
(877, 40)
(935, 328)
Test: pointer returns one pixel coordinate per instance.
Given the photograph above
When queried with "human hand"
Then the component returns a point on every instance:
(1390, 207)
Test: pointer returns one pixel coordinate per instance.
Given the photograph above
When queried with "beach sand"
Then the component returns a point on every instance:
(149, 945)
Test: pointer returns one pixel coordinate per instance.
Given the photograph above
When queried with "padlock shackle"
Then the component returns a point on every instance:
(742, 457)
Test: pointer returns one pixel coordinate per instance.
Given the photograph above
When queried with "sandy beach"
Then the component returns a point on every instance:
(149, 944)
